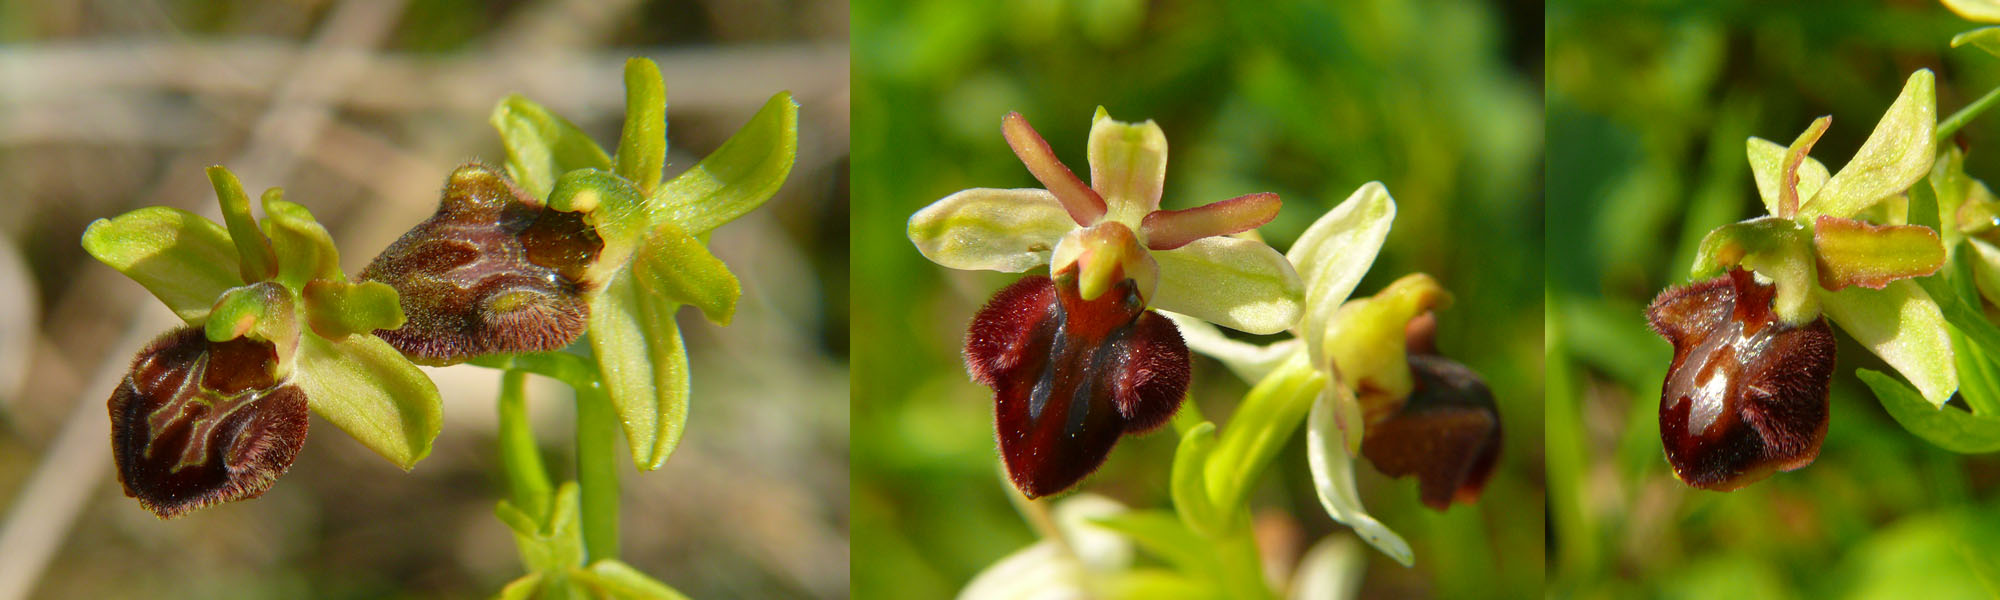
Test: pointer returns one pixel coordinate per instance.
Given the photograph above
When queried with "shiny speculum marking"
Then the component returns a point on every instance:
(1070, 376)
(1746, 394)
(493, 271)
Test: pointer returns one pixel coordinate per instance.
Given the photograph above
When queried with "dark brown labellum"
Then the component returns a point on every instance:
(1746, 394)
(1447, 433)
(494, 271)
(198, 422)
(1070, 376)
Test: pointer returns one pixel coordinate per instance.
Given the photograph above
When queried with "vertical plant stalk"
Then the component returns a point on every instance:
(597, 433)
(597, 430)
(527, 480)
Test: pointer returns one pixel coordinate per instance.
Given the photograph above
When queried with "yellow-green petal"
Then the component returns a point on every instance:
(640, 353)
(1901, 324)
(739, 176)
(183, 259)
(1898, 153)
(1336, 251)
(1767, 162)
(369, 390)
(1236, 283)
(989, 229)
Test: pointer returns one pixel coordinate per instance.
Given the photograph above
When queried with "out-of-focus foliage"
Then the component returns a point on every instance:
(1649, 105)
(1306, 99)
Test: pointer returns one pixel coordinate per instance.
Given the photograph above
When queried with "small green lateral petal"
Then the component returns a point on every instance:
(1236, 283)
(1767, 162)
(337, 309)
(639, 351)
(256, 259)
(184, 260)
(993, 230)
(1852, 252)
(1901, 324)
(305, 251)
(369, 390)
(1985, 38)
(674, 265)
(642, 148)
(261, 311)
(542, 146)
(739, 176)
(1898, 153)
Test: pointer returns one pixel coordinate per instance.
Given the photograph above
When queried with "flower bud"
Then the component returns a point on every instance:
(1071, 375)
(494, 271)
(1746, 394)
(198, 422)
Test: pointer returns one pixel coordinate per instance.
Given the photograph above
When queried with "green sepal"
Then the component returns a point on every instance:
(639, 351)
(1901, 324)
(337, 309)
(1777, 248)
(1985, 38)
(257, 261)
(542, 146)
(676, 266)
(1897, 153)
(184, 260)
(304, 249)
(261, 311)
(614, 579)
(1944, 426)
(642, 146)
(366, 388)
(739, 176)
(1189, 483)
(1767, 165)
(1000, 230)
(1851, 252)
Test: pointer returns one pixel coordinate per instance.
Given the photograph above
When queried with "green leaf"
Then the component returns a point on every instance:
(988, 229)
(676, 266)
(262, 311)
(1336, 251)
(1233, 282)
(1767, 163)
(619, 580)
(642, 147)
(542, 146)
(1945, 426)
(1164, 535)
(253, 250)
(1978, 376)
(739, 176)
(1901, 324)
(184, 260)
(1852, 252)
(304, 249)
(1189, 486)
(337, 309)
(369, 390)
(1898, 153)
(640, 353)
(1778, 248)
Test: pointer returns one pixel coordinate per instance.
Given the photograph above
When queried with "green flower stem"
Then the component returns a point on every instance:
(1950, 125)
(1269, 415)
(597, 433)
(597, 430)
(527, 480)
(1242, 569)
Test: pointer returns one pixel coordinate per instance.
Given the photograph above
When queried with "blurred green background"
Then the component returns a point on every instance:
(1649, 104)
(359, 109)
(1439, 100)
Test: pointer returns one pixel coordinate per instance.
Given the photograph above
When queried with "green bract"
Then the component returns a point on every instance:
(278, 280)
(1820, 256)
(655, 259)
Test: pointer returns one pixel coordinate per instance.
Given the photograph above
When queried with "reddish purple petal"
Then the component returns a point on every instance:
(1071, 376)
(493, 271)
(1746, 394)
(197, 423)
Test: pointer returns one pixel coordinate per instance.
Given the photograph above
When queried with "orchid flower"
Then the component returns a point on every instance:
(1075, 358)
(1386, 395)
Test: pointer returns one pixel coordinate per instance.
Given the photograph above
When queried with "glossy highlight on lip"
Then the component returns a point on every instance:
(1071, 376)
(1746, 394)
